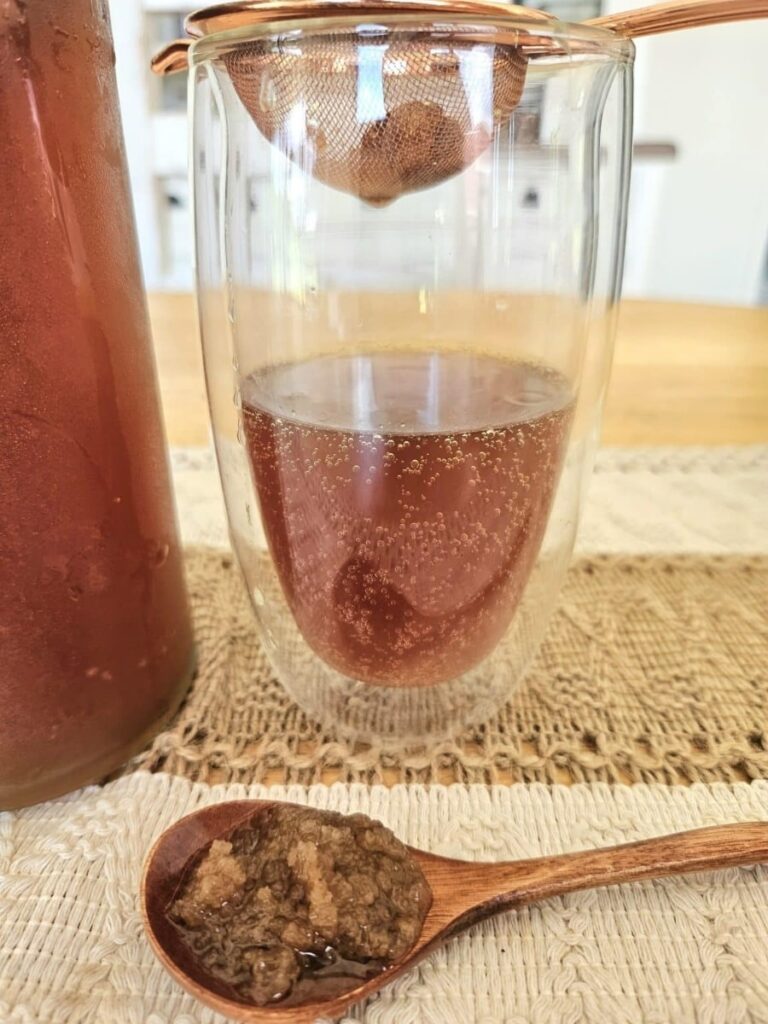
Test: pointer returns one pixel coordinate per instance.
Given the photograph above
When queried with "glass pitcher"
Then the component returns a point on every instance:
(96, 646)
(406, 348)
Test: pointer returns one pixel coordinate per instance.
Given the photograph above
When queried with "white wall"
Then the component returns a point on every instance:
(127, 26)
(706, 232)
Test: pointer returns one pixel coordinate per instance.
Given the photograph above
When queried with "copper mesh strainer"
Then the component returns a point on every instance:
(368, 111)
(418, 123)
(414, 131)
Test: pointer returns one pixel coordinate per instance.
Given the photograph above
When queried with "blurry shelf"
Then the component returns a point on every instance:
(166, 6)
(654, 151)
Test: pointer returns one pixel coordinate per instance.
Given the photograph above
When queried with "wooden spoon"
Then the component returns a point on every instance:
(463, 894)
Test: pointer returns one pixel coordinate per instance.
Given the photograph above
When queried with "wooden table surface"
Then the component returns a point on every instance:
(683, 374)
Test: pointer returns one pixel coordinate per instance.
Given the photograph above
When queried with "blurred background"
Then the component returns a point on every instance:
(691, 357)
(698, 223)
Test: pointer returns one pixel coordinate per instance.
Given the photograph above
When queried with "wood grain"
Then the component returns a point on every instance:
(463, 893)
(683, 374)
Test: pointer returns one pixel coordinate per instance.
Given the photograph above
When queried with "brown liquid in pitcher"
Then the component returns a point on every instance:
(404, 498)
(95, 636)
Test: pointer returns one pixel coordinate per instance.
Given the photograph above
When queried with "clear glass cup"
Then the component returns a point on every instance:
(406, 396)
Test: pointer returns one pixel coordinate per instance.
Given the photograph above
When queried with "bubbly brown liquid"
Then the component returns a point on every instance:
(404, 497)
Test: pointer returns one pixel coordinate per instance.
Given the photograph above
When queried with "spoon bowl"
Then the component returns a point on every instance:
(463, 893)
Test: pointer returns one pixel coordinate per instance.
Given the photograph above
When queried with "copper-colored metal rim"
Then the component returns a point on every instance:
(225, 16)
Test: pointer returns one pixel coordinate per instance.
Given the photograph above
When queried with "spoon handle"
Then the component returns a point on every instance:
(518, 883)
(648, 21)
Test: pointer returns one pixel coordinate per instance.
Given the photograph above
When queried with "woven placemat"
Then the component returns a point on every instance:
(653, 670)
(687, 950)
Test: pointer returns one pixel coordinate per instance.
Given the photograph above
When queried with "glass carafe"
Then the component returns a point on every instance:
(406, 391)
(95, 637)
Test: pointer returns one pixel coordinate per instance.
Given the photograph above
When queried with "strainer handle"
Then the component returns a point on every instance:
(172, 58)
(668, 17)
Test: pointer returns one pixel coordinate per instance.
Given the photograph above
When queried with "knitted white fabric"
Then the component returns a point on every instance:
(679, 951)
(639, 500)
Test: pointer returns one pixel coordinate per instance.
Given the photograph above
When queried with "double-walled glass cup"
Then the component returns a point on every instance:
(406, 390)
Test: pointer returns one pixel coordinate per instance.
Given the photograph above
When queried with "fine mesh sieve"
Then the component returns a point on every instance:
(368, 107)
(410, 127)
(306, 95)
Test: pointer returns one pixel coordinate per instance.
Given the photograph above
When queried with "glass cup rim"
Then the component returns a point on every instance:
(554, 37)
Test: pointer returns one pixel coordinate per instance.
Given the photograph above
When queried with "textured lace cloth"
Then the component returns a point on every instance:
(679, 951)
(640, 500)
(653, 670)
(654, 667)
